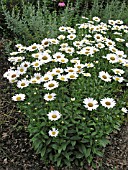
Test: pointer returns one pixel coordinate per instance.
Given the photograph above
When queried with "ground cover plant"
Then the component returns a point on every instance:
(73, 90)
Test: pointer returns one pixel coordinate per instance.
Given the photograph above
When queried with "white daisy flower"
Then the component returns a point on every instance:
(45, 57)
(62, 77)
(75, 60)
(63, 45)
(89, 65)
(33, 80)
(54, 132)
(72, 75)
(71, 30)
(36, 64)
(38, 76)
(104, 76)
(98, 37)
(57, 70)
(79, 66)
(54, 115)
(54, 41)
(18, 97)
(120, 39)
(97, 19)
(32, 47)
(112, 58)
(62, 60)
(120, 54)
(71, 69)
(119, 79)
(36, 55)
(109, 43)
(51, 85)
(87, 74)
(14, 53)
(120, 22)
(11, 74)
(90, 104)
(124, 110)
(18, 45)
(100, 45)
(62, 29)
(18, 59)
(58, 55)
(22, 49)
(69, 50)
(47, 77)
(71, 36)
(45, 42)
(118, 71)
(113, 49)
(108, 102)
(23, 83)
(25, 64)
(22, 70)
(111, 22)
(49, 97)
(61, 37)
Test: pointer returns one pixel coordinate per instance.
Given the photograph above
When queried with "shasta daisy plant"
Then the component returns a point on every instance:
(73, 89)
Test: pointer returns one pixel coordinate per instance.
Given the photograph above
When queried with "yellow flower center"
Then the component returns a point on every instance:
(58, 71)
(46, 78)
(50, 96)
(53, 133)
(33, 81)
(54, 116)
(72, 76)
(36, 55)
(38, 78)
(18, 98)
(112, 58)
(107, 103)
(25, 65)
(105, 77)
(19, 59)
(51, 85)
(58, 56)
(22, 84)
(14, 75)
(44, 57)
(33, 47)
(71, 70)
(36, 64)
(62, 78)
(21, 70)
(117, 78)
(90, 104)
(46, 43)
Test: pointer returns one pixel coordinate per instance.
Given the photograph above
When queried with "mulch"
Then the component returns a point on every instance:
(16, 151)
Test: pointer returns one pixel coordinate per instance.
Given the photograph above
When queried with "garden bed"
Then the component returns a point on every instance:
(17, 152)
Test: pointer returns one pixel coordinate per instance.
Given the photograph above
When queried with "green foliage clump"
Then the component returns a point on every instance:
(73, 90)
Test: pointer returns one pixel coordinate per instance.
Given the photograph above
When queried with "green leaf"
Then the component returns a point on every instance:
(88, 151)
(54, 146)
(104, 142)
(99, 153)
(43, 151)
(73, 143)
(59, 161)
(79, 155)
(64, 145)
(75, 138)
(67, 162)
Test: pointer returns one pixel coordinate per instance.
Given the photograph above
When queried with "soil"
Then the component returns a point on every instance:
(16, 151)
